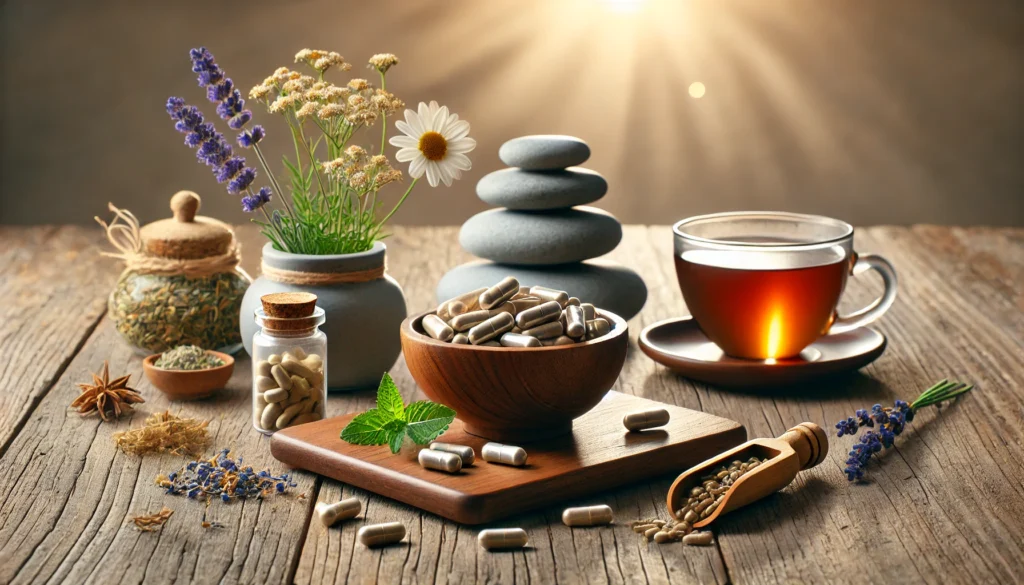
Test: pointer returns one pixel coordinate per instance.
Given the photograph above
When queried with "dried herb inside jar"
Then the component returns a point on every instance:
(188, 357)
(157, 312)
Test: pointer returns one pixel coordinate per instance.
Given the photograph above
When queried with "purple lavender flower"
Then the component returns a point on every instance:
(204, 65)
(174, 105)
(864, 418)
(249, 138)
(242, 181)
(846, 427)
(251, 203)
(240, 120)
(229, 169)
(214, 152)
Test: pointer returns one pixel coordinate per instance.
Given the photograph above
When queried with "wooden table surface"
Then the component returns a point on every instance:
(945, 506)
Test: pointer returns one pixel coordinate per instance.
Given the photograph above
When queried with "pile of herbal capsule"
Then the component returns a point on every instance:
(508, 315)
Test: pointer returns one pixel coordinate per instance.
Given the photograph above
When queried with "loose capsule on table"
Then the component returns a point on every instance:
(538, 315)
(550, 294)
(504, 454)
(588, 516)
(499, 293)
(465, 452)
(646, 419)
(698, 538)
(330, 514)
(502, 538)
(381, 534)
(491, 328)
(518, 340)
(440, 460)
(575, 322)
(437, 328)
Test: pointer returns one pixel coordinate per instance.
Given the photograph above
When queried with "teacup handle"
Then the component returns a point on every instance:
(880, 305)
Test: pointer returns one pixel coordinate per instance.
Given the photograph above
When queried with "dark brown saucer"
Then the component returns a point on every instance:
(683, 347)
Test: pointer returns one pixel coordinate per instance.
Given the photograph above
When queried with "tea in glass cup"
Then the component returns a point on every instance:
(765, 285)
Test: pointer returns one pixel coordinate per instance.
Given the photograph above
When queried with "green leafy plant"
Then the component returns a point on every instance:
(392, 420)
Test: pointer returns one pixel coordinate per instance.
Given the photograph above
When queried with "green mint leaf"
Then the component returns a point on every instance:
(396, 441)
(426, 420)
(371, 428)
(389, 401)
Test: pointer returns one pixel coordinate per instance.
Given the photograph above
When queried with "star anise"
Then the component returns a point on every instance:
(106, 397)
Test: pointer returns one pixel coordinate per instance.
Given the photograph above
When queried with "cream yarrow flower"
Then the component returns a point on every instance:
(435, 144)
(382, 62)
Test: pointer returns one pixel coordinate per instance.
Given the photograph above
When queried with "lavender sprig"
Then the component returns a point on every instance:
(891, 422)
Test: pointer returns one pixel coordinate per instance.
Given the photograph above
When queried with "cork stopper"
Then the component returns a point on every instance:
(186, 236)
(290, 311)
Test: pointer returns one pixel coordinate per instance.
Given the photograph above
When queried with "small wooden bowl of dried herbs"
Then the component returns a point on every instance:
(188, 372)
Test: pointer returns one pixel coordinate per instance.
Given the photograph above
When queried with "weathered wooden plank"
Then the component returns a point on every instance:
(926, 515)
(54, 285)
(67, 494)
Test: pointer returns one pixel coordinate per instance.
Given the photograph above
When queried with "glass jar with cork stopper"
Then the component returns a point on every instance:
(288, 369)
(181, 284)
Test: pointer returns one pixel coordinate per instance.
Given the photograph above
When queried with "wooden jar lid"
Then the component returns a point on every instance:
(290, 311)
(186, 235)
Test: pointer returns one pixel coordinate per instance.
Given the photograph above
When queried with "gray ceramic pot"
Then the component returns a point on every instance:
(362, 319)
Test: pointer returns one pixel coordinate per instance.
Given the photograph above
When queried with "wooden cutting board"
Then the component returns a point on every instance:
(599, 454)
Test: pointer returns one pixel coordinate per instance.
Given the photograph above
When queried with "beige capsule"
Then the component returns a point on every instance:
(437, 328)
(269, 416)
(502, 538)
(381, 534)
(281, 376)
(575, 323)
(545, 331)
(467, 321)
(491, 328)
(538, 315)
(560, 340)
(573, 301)
(460, 339)
(275, 395)
(518, 340)
(465, 452)
(289, 413)
(260, 400)
(304, 418)
(264, 383)
(598, 328)
(263, 368)
(525, 303)
(456, 308)
(331, 514)
(588, 516)
(504, 454)
(503, 308)
(698, 538)
(589, 311)
(313, 375)
(663, 537)
(646, 419)
(439, 461)
(274, 359)
(550, 294)
(493, 343)
(499, 293)
(469, 300)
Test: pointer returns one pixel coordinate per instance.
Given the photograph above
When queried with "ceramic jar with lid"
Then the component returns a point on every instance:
(181, 283)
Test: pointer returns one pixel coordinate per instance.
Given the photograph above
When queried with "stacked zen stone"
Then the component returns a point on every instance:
(544, 235)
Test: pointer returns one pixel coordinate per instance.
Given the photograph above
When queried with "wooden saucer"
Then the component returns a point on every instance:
(683, 347)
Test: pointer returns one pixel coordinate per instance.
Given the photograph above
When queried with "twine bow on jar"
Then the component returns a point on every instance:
(321, 278)
(124, 234)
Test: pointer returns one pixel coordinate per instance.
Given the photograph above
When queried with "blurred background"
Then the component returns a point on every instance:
(875, 111)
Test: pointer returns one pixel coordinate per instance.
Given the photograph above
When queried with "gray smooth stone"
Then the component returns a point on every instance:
(553, 237)
(605, 284)
(537, 190)
(544, 152)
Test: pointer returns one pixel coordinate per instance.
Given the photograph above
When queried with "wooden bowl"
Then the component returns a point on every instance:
(189, 384)
(515, 394)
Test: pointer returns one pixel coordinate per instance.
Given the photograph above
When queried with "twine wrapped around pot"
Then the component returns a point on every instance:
(321, 278)
(124, 234)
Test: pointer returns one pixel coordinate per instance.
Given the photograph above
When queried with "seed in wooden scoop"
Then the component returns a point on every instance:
(646, 419)
(502, 538)
(381, 534)
(330, 514)
(698, 539)
(588, 516)
(289, 305)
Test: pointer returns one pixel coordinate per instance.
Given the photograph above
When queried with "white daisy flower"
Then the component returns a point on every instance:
(435, 143)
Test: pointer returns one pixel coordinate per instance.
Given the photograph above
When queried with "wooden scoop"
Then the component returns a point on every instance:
(799, 448)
